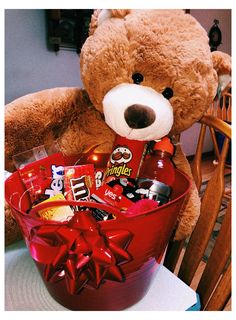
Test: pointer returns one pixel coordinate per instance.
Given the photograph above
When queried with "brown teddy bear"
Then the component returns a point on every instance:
(146, 73)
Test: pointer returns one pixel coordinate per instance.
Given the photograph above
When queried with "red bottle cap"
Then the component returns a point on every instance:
(164, 145)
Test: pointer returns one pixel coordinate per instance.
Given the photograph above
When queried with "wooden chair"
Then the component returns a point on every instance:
(222, 109)
(214, 286)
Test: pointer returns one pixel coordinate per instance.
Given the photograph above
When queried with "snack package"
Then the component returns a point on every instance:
(99, 160)
(79, 182)
(125, 159)
(129, 187)
(60, 213)
(102, 215)
(112, 196)
(43, 178)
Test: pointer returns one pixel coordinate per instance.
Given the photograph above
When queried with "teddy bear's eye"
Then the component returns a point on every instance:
(168, 93)
(137, 78)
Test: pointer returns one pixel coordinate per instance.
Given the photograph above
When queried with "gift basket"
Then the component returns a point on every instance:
(88, 262)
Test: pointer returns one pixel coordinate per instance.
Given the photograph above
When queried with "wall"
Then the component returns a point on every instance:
(30, 67)
(206, 18)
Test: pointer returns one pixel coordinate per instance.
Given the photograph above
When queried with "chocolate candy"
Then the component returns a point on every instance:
(79, 182)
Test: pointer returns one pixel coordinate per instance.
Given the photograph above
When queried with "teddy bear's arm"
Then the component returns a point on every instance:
(40, 118)
(191, 208)
(87, 130)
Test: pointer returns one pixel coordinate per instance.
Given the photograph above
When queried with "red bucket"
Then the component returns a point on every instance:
(123, 259)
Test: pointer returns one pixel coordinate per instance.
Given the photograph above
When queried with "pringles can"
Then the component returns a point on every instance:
(125, 159)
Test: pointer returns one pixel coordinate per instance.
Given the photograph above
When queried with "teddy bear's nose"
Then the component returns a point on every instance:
(139, 116)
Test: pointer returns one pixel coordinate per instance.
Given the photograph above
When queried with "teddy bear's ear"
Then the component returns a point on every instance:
(222, 65)
(101, 15)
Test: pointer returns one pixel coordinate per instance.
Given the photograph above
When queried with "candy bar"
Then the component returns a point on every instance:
(79, 182)
(112, 196)
(44, 178)
(101, 215)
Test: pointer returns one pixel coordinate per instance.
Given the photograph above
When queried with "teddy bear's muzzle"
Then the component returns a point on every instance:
(137, 112)
(139, 116)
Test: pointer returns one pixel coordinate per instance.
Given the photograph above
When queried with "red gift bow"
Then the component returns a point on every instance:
(80, 252)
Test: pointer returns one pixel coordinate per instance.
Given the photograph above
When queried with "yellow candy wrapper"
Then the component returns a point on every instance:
(61, 213)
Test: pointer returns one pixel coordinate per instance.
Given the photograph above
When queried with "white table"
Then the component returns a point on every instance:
(25, 289)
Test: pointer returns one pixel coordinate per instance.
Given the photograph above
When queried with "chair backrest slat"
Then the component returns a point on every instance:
(224, 109)
(213, 282)
(196, 165)
(221, 108)
(210, 206)
(215, 144)
(217, 260)
(222, 293)
(229, 107)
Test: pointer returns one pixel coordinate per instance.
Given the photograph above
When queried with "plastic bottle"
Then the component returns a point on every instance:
(157, 173)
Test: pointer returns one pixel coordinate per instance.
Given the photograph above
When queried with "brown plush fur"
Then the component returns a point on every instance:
(168, 47)
(188, 216)
(12, 230)
(65, 114)
(221, 62)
